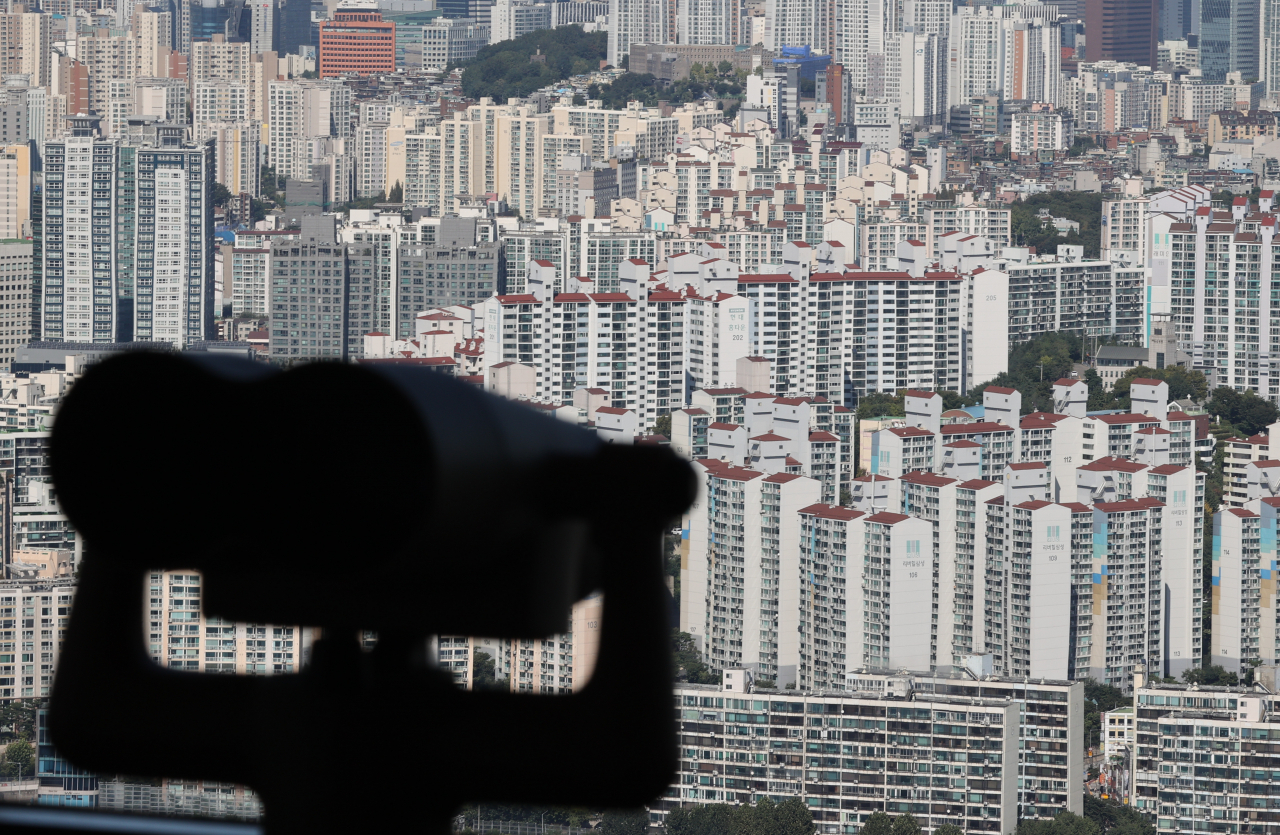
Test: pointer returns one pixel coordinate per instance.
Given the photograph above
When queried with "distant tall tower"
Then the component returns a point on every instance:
(1269, 60)
(1229, 38)
(1121, 30)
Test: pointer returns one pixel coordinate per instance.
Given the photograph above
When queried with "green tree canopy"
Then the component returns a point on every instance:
(1246, 411)
(1034, 367)
(19, 757)
(632, 822)
(794, 817)
(878, 404)
(948, 829)
(905, 825)
(504, 70)
(1066, 823)
(687, 662)
(1211, 675)
(1084, 207)
(878, 824)
(1098, 698)
(1114, 818)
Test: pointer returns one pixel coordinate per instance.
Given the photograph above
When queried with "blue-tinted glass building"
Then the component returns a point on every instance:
(61, 783)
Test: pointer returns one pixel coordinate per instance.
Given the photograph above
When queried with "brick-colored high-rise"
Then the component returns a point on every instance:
(358, 41)
(1121, 30)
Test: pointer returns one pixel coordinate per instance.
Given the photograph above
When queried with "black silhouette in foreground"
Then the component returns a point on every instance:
(387, 491)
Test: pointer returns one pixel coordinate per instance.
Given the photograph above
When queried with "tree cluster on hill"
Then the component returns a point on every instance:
(505, 70)
(646, 89)
(1084, 207)
(1184, 383)
(790, 817)
(1248, 413)
(1034, 367)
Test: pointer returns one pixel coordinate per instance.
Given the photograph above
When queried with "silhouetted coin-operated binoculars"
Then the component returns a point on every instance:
(361, 497)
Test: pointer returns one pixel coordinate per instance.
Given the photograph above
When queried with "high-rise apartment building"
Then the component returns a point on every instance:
(25, 45)
(135, 261)
(107, 54)
(235, 154)
(1178, 717)
(1000, 750)
(308, 294)
(639, 21)
(16, 306)
(15, 191)
(357, 41)
(220, 100)
(452, 268)
(1016, 53)
(219, 59)
(1121, 30)
(32, 642)
(301, 110)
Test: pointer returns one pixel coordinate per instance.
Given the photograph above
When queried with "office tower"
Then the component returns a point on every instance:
(357, 41)
(258, 25)
(453, 269)
(17, 316)
(200, 20)
(1121, 30)
(1269, 48)
(1229, 38)
(308, 294)
(24, 45)
(638, 21)
(295, 27)
(139, 263)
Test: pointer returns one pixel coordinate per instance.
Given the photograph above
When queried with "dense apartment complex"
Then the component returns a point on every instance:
(1023, 541)
(973, 750)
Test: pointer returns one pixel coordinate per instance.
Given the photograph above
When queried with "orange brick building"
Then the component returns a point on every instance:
(358, 41)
